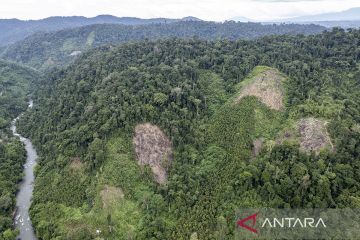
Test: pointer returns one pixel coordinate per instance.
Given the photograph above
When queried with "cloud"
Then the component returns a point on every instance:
(205, 9)
(280, 1)
(289, 0)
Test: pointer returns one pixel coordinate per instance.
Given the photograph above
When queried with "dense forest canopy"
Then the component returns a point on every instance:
(198, 93)
(12, 158)
(47, 50)
(16, 83)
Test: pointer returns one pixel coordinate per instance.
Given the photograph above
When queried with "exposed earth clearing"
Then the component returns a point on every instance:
(267, 86)
(313, 135)
(153, 148)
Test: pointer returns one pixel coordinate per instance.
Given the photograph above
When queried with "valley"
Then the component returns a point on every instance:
(16, 84)
(23, 198)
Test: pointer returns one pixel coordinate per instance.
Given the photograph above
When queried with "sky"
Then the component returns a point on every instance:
(215, 10)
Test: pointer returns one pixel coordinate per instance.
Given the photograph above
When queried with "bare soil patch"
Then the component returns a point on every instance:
(313, 135)
(110, 195)
(76, 164)
(153, 148)
(267, 87)
(258, 144)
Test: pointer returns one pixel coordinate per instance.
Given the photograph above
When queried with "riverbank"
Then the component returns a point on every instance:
(23, 199)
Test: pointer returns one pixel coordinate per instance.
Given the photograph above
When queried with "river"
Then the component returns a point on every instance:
(23, 198)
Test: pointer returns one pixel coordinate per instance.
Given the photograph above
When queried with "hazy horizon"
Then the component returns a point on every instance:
(258, 10)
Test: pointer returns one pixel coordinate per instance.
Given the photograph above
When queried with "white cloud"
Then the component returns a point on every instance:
(289, 0)
(216, 10)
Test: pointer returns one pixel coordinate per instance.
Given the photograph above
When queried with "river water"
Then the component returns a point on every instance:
(23, 198)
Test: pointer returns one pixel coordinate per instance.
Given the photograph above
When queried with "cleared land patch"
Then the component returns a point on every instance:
(153, 148)
(265, 84)
(313, 135)
(110, 195)
(257, 146)
(76, 164)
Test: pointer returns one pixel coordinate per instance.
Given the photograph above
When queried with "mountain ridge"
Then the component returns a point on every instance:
(42, 50)
(345, 19)
(347, 15)
(12, 30)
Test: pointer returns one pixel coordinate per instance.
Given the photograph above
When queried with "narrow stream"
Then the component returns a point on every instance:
(23, 199)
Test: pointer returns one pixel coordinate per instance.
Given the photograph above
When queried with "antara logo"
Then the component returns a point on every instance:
(294, 222)
(287, 222)
(241, 223)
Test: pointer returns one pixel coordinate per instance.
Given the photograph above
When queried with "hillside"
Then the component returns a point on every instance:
(16, 82)
(13, 30)
(215, 145)
(46, 50)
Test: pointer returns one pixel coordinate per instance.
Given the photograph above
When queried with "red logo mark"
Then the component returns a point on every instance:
(241, 223)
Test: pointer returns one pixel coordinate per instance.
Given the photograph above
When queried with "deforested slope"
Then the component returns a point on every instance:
(266, 85)
(89, 183)
(314, 135)
(153, 148)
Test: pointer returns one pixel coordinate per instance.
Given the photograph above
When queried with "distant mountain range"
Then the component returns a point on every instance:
(12, 30)
(352, 14)
(242, 19)
(346, 19)
(47, 50)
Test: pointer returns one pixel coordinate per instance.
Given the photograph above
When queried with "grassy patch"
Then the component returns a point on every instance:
(90, 39)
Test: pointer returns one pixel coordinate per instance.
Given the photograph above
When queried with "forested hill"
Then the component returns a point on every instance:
(46, 50)
(16, 84)
(12, 30)
(216, 143)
